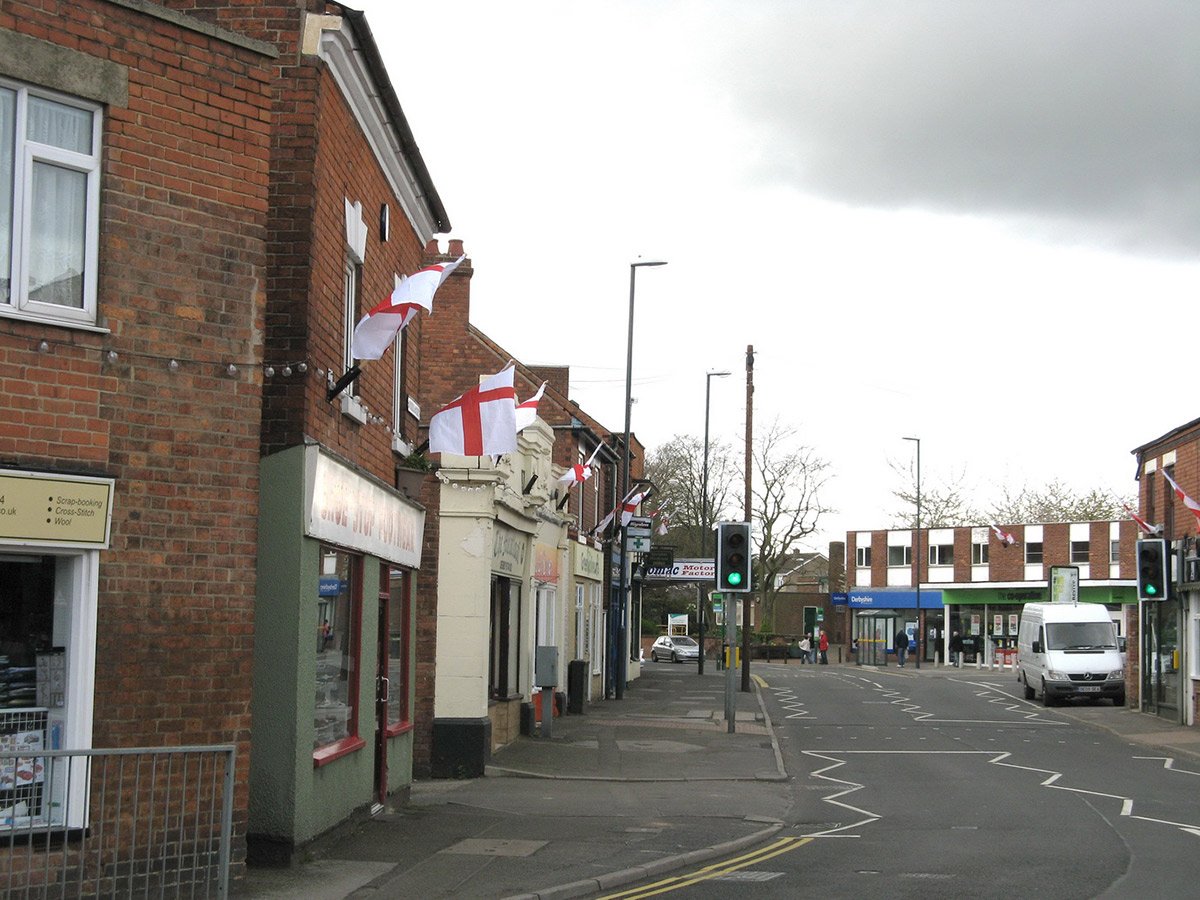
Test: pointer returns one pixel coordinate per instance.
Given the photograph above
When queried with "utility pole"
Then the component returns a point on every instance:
(746, 510)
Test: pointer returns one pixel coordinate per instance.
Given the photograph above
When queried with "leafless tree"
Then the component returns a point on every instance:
(677, 470)
(785, 504)
(943, 504)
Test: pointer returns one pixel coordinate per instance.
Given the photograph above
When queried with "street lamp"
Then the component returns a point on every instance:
(920, 624)
(704, 523)
(618, 656)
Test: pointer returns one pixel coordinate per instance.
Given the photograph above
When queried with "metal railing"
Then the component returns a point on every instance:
(137, 822)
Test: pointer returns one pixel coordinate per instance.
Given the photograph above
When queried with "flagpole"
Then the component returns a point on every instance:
(618, 609)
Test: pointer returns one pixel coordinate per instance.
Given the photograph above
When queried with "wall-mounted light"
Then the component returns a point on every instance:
(173, 366)
(111, 356)
(43, 347)
(231, 370)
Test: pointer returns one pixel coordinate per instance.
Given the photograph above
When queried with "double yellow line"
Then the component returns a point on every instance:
(716, 870)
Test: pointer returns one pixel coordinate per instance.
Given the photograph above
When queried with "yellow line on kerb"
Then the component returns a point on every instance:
(759, 680)
(716, 870)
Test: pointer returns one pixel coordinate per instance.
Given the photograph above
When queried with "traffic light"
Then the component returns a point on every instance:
(1152, 569)
(733, 556)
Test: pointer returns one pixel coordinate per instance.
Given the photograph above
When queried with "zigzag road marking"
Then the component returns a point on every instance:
(789, 701)
(1050, 782)
(1126, 802)
(1169, 764)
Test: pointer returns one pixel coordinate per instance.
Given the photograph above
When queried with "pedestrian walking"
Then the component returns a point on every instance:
(901, 647)
(812, 650)
(956, 649)
(824, 647)
(805, 644)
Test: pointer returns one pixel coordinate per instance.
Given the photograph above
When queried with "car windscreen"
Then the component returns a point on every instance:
(1080, 636)
(683, 642)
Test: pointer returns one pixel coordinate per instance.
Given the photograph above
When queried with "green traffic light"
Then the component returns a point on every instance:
(734, 578)
(1151, 590)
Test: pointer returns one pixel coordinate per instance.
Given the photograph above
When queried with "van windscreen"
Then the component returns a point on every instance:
(1080, 636)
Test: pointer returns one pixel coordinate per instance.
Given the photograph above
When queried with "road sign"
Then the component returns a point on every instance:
(661, 558)
(637, 543)
(639, 527)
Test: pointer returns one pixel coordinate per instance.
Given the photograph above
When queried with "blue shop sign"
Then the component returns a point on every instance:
(330, 586)
(894, 599)
(840, 599)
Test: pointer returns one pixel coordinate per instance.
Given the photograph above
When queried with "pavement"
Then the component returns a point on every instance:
(630, 789)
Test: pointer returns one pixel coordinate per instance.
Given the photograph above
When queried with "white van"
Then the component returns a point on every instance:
(1069, 650)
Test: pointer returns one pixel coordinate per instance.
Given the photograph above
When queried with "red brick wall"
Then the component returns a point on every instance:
(182, 265)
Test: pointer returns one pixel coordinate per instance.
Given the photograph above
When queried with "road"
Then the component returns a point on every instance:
(912, 784)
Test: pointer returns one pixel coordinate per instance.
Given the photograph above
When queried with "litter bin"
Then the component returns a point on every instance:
(576, 685)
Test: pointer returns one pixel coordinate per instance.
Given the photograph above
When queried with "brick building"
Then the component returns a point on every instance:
(133, 257)
(510, 565)
(1164, 655)
(968, 580)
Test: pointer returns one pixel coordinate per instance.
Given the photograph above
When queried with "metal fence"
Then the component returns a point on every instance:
(139, 822)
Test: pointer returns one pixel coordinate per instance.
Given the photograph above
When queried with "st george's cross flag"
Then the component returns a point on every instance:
(1142, 523)
(580, 472)
(629, 507)
(1187, 501)
(664, 520)
(1003, 535)
(527, 411)
(482, 422)
(378, 328)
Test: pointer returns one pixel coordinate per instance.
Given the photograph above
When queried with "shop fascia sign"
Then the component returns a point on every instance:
(55, 510)
(685, 570)
(352, 511)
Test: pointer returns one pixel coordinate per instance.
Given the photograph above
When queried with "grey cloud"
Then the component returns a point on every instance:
(1083, 117)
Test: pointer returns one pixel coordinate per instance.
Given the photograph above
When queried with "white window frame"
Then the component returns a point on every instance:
(1075, 546)
(1041, 552)
(399, 404)
(907, 554)
(26, 154)
(935, 554)
(862, 557)
(980, 553)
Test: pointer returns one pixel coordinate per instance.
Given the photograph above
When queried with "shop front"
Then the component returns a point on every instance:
(333, 656)
(880, 614)
(986, 619)
(52, 531)
(587, 648)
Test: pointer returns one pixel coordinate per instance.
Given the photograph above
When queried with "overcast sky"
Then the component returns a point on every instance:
(971, 222)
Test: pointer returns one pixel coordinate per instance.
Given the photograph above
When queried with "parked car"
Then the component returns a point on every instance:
(676, 648)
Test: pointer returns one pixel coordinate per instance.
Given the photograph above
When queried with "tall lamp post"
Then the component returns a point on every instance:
(920, 625)
(705, 527)
(617, 613)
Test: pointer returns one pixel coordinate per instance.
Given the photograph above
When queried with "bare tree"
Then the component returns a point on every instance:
(943, 504)
(677, 470)
(1057, 502)
(786, 507)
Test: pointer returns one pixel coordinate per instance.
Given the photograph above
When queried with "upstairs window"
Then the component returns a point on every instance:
(979, 554)
(1033, 552)
(899, 556)
(941, 555)
(49, 205)
(862, 557)
(1079, 552)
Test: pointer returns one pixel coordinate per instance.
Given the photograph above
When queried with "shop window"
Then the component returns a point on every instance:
(47, 666)
(899, 556)
(49, 205)
(1033, 552)
(504, 638)
(1079, 552)
(979, 554)
(399, 652)
(941, 555)
(339, 604)
(862, 557)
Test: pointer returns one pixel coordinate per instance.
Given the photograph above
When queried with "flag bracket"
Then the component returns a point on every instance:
(350, 376)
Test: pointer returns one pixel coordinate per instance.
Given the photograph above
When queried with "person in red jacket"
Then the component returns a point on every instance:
(824, 648)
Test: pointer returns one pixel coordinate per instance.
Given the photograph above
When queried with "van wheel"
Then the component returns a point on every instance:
(1046, 701)
(1119, 700)
(1029, 694)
